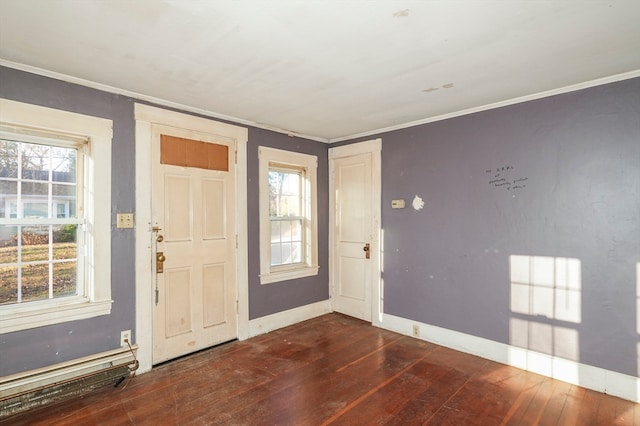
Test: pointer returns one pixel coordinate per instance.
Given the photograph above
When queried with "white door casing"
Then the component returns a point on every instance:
(146, 118)
(355, 222)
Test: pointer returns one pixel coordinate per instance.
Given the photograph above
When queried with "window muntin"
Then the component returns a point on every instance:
(288, 219)
(39, 256)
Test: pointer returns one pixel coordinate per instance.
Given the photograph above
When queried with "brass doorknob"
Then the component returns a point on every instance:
(160, 257)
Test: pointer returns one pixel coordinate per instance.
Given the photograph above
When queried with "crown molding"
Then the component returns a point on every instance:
(152, 99)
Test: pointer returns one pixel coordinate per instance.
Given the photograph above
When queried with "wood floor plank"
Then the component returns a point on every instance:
(492, 396)
(526, 389)
(336, 370)
(384, 405)
(553, 410)
(540, 402)
(615, 411)
(571, 408)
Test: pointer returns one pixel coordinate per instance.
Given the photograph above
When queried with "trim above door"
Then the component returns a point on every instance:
(146, 115)
(373, 147)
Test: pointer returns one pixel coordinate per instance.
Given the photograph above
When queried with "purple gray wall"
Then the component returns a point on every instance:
(572, 162)
(44, 346)
(39, 347)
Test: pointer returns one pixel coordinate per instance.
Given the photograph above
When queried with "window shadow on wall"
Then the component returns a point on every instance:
(545, 304)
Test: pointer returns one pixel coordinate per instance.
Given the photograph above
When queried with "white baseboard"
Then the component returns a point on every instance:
(587, 376)
(286, 318)
(33, 379)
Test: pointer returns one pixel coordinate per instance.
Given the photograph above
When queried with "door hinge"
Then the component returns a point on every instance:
(237, 307)
(236, 157)
(236, 240)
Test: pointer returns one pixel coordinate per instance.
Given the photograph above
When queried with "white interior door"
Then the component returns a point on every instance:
(355, 209)
(194, 221)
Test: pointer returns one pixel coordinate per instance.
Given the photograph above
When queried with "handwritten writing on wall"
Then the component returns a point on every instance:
(502, 177)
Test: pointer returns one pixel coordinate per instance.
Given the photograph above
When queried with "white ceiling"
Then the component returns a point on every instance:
(327, 69)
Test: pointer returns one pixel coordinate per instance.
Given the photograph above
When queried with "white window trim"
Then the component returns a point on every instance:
(97, 203)
(309, 266)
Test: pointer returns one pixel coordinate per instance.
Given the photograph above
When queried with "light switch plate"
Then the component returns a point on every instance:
(397, 204)
(125, 220)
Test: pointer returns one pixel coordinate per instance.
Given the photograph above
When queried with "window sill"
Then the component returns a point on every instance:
(32, 315)
(289, 274)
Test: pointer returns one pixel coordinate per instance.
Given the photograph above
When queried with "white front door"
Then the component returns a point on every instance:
(193, 241)
(355, 213)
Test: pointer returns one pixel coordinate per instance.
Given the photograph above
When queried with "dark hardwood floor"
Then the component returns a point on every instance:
(336, 370)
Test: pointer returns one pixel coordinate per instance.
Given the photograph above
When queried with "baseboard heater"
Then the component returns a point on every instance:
(35, 388)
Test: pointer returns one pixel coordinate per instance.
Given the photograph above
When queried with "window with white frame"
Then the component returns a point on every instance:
(54, 230)
(288, 215)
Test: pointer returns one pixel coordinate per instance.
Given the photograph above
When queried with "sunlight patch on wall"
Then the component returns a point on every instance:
(545, 303)
(545, 338)
(546, 286)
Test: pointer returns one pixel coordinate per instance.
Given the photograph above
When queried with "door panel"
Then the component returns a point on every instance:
(213, 196)
(178, 224)
(352, 207)
(178, 302)
(193, 209)
(213, 305)
(351, 273)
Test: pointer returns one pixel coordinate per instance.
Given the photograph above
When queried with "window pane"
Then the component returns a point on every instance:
(8, 159)
(296, 252)
(292, 183)
(275, 189)
(35, 210)
(35, 282)
(275, 231)
(8, 244)
(64, 234)
(286, 253)
(296, 230)
(65, 251)
(8, 195)
(273, 204)
(8, 284)
(276, 255)
(35, 243)
(293, 205)
(34, 196)
(65, 279)
(63, 164)
(36, 161)
(62, 195)
(286, 230)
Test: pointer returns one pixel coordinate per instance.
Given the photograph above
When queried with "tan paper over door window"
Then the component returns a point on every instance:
(191, 153)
